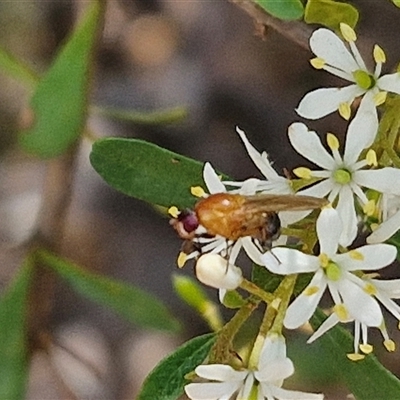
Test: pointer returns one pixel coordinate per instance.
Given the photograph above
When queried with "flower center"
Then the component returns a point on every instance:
(364, 80)
(342, 176)
(332, 271)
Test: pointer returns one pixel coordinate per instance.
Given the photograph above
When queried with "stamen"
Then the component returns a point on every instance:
(333, 141)
(390, 345)
(323, 260)
(379, 54)
(348, 33)
(173, 211)
(311, 290)
(302, 172)
(355, 356)
(366, 348)
(371, 158)
(380, 98)
(369, 208)
(182, 258)
(345, 111)
(356, 255)
(317, 62)
(370, 289)
(341, 311)
(197, 191)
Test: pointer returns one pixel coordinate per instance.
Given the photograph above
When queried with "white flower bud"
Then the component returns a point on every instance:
(213, 270)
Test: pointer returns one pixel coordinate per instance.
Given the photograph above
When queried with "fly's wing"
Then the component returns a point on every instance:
(282, 202)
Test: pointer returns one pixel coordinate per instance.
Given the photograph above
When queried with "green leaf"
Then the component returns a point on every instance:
(366, 379)
(13, 359)
(167, 380)
(396, 3)
(146, 171)
(16, 69)
(161, 117)
(59, 104)
(131, 303)
(330, 13)
(283, 9)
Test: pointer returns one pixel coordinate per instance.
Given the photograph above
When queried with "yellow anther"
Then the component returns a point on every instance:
(390, 345)
(380, 98)
(370, 289)
(398, 325)
(348, 33)
(371, 158)
(333, 141)
(355, 356)
(182, 258)
(369, 208)
(173, 211)
(345, 111)
(366, 348)
(379, 54)
(276, 303)
(356, 255)
(323, 260)
(341, 312)
(197, 191)
(302, 172)
(311, 290)
(317, 62)
(374, 227)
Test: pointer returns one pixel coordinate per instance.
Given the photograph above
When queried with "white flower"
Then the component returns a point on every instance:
(352, 295)
(390, 215)
(272, 184)
(274, 366)
(214, 271)
(384, 291)
(342, 176)
(334, 57)
(219, 244)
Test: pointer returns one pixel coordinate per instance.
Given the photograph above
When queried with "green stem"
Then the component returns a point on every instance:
(221, 352)
(256, 291)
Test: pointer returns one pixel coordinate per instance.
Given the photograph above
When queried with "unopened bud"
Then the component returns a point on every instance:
(213, 270)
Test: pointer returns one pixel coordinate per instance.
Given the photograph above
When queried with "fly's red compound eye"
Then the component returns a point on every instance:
(189, 220)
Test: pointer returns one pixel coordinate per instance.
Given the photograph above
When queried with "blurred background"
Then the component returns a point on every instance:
(154, 54)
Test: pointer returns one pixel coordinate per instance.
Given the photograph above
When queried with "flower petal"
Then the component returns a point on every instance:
(382, 180)
(262, 163)
(303, 307)
(362, 306)
(211, 390)
(390, 287)
(284, 394)
(385, 230)
(289, 261)
(329, 229)
(274, 348)
(213, 183)
(321, 102)
(220, 372)
(320, 189)
(390, 83)
(251, 249)
(328, 46)
(347, 213)
(374, 257)
(362, 130)
(275, 371)
(329, 323)
(308, 144)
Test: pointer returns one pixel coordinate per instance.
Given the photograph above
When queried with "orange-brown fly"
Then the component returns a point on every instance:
(234, 216)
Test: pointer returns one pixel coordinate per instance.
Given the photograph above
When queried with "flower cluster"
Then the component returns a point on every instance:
(359, 187)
